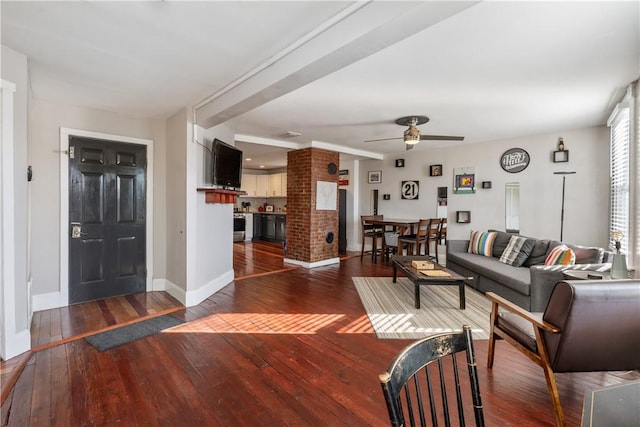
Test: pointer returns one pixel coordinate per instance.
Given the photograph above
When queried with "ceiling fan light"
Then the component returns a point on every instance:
(411, 136)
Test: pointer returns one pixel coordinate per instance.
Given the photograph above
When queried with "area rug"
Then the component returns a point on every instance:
(116, 337)
(391, 310)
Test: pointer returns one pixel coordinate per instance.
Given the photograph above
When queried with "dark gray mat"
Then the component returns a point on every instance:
(116, 337)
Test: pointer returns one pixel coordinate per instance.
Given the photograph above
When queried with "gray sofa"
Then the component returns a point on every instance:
(530, 285)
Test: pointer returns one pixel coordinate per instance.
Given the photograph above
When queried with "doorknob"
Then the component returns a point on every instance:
(76, 230)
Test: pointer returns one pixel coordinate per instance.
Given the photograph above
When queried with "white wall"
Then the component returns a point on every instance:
(15, 309)
(176, 205)
(45, 120)
(587, 192)
(210, 225)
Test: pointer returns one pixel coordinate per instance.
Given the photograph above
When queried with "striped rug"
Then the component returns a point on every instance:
(391, 310)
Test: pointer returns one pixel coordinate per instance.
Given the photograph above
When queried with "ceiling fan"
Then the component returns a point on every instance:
(412, 135)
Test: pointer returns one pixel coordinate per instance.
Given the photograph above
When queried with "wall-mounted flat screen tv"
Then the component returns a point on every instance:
(227, 165)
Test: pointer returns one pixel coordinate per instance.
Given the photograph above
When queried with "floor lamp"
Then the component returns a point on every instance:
(564, 178)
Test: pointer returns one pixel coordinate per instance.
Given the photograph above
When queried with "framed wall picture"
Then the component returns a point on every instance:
(464, 180)
(399, 163)
(435, 170)
(375, 177)
(410, 190)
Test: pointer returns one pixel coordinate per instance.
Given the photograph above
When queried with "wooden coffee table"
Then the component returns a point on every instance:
(418, 279)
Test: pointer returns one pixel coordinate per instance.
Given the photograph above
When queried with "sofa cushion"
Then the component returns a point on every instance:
(587, 255)
(538, 253)
(500, 243)
(516, 278)
(481, 243)
(561, 255)
(517, 251)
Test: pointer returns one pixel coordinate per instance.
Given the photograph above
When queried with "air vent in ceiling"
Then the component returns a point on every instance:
(290, 134)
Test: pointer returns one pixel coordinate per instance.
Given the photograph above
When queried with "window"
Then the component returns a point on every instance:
(619, 173)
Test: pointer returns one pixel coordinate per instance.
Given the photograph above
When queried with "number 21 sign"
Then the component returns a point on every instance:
(410, 189)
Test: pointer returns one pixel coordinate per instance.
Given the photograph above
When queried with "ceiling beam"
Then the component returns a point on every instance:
(360, 30)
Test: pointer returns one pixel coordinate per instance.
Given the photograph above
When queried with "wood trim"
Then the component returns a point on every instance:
(108, 328)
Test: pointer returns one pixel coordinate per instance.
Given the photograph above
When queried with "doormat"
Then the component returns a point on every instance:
(116, 337)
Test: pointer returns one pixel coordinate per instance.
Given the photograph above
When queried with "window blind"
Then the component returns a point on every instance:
(619, 173)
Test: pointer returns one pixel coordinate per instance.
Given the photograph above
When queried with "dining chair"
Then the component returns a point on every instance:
(432, 236)
(442, 234)
(371, 231)
(414, 241)
(424, 382)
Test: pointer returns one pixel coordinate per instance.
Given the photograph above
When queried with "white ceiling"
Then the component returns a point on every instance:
(337, 72)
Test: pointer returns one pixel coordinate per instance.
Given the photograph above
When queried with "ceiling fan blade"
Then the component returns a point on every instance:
(441, 138)
(383, 139)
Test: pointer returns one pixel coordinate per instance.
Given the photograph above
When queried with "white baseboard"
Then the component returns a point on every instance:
(16, 344)
(313, 264)
(196, 296)
(170, 288)
(48, 301)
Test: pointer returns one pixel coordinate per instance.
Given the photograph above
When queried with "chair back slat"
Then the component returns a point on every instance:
(456, 378)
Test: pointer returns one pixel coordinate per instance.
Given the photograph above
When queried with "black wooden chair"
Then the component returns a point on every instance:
(429, 369)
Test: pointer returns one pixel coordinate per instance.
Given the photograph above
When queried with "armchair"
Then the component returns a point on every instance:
(588, 326)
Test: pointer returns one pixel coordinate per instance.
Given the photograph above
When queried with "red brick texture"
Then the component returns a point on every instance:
(307, 227)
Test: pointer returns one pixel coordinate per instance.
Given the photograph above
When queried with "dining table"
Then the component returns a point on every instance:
(399, 225)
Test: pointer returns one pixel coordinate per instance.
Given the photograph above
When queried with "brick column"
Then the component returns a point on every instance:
(307, 227)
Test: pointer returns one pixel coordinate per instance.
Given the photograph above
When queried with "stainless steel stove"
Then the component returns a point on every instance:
(239, 226)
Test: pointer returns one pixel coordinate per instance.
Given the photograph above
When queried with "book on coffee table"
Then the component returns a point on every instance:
(435, 273)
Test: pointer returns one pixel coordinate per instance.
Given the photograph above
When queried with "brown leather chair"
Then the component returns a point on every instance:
(588, 326)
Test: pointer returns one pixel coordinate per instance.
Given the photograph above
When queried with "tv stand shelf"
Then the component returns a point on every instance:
(218, 195)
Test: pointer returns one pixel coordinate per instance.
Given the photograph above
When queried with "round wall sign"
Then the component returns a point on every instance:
(514, 160)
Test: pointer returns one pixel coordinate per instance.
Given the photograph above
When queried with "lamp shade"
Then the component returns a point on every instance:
(412, 135)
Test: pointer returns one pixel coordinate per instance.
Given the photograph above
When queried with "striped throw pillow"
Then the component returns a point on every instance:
(481, 243)
(517, 251)
(561, 255)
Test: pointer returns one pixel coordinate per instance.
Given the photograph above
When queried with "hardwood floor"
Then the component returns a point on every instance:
(280, 346)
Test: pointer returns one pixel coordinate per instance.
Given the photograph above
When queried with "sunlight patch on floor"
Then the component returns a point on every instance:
(259, 323)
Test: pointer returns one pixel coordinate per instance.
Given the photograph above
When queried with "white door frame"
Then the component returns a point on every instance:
(65, 133)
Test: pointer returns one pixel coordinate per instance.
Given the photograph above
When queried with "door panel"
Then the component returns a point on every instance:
(107, 188)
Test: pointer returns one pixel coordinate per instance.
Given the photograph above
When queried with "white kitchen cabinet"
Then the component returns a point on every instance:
(262, 185)
(249, 184)
(275, 185)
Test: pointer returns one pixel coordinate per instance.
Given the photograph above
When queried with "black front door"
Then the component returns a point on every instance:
(107, 215)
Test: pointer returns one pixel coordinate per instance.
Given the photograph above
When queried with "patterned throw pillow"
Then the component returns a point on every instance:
(517, 251)
(560, 255)
(481, 243)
